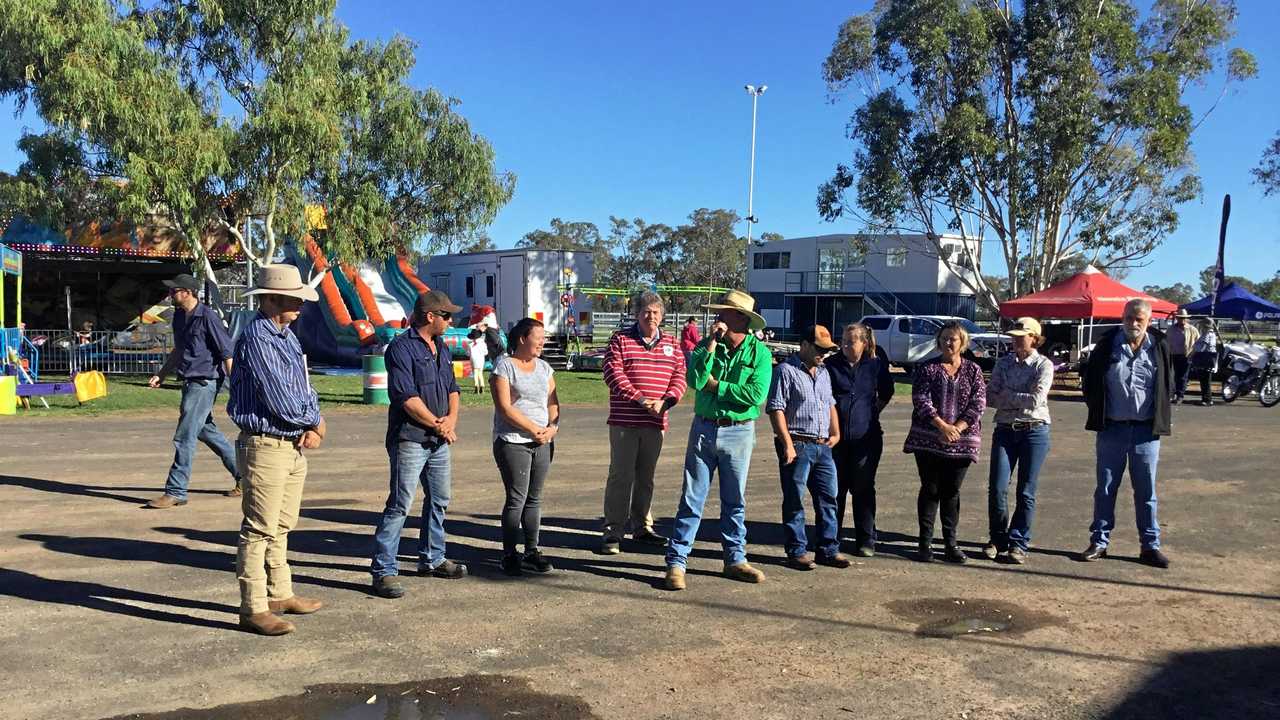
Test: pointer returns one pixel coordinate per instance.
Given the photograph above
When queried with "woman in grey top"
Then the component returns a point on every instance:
(526, 416)
(1019, 392)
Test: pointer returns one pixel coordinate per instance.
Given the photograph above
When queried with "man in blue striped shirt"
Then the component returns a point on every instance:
(276, 408)
(806, 427)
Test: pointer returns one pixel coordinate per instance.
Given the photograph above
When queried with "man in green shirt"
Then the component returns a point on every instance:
(730, 371)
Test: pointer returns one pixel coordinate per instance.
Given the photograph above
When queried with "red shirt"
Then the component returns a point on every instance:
(689, 337)
(634, 370)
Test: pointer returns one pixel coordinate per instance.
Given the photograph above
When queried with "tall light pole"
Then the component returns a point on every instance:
(755, 93)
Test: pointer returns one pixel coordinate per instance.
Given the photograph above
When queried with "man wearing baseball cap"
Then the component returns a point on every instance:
(278, 414)
(421, 426)
(202, 358)
(730, 371)
(806, 427)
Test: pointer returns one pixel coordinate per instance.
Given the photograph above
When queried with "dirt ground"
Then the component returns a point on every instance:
(107, 609)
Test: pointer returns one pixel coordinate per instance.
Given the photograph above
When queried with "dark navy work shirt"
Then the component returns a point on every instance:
(204, 341)
(270, 392)
(859, 391)
(413, 371)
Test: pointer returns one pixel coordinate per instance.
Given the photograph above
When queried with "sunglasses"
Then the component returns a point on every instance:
(443, 315)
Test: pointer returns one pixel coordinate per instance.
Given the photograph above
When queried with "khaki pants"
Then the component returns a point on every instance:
(272, 474)
(633, 455)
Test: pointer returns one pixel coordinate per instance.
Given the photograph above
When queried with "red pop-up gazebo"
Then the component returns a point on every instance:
(1088, 295)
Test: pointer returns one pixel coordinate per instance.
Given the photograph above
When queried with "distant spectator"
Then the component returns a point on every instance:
(477, 350)
(689, 338)
(1182, 337)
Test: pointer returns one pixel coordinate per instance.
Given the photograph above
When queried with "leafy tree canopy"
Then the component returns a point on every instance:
(1267, 174)
(1056, 126)
(239, 113)
(1177, 293)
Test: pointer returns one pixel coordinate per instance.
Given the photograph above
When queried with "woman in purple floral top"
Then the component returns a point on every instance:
(948, 395)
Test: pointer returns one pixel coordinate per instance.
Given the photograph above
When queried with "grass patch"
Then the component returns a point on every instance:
(130, 394)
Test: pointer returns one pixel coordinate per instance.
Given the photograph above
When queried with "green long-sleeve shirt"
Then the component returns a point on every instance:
(744, 374)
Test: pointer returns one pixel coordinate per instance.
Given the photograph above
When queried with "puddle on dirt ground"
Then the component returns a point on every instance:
(953, 617)
(470, 697)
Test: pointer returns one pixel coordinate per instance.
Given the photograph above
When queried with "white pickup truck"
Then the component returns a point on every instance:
(910, 339)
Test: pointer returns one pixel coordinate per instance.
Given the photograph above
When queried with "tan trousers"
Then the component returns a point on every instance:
(628, 493)
(272, 474)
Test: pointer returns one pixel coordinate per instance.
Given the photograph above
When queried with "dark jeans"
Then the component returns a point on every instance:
(1179, 375)
(523, 467)
(856, 464)
(1025, 450)
(940, 481)
(812, 469)
(1204, 363)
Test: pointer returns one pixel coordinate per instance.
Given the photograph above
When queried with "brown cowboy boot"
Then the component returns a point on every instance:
(266, 623)
(295, 605)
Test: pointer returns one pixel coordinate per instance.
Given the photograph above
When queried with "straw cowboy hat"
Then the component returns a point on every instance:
(1182, 313)
(743, 303)
(283, 280)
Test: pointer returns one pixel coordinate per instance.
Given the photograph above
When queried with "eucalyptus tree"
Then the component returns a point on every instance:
(1053, 128)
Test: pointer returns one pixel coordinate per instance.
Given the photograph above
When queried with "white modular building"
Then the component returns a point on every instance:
(518, 283)
(834, 280)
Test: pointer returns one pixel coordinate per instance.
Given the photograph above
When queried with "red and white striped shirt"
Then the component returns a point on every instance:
(634, 371)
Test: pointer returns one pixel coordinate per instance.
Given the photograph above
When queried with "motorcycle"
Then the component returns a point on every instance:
(1252, 368)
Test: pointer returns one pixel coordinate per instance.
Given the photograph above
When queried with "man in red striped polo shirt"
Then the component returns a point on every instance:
(644, 370)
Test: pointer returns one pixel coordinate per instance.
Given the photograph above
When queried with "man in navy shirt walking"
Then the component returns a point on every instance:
(421, 425)
(202, 358)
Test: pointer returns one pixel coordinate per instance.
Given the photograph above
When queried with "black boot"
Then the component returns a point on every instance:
(925, 551)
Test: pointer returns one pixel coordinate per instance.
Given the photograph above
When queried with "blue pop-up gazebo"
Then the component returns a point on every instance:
(1236, 303)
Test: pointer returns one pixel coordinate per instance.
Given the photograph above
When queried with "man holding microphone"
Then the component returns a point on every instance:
(730, 372)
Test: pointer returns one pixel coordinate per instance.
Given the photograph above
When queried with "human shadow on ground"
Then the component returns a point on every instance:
(131, 550)
(555, 533)
(582, 534)
(314, 542)
(106, 492)
(1230, 683)
(95, 596)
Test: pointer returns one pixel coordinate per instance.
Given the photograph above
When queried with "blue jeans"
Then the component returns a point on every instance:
(195, 422)
(711, 448)
(413, 463)
(1136, 445)
(812, 468)
(1025, 450)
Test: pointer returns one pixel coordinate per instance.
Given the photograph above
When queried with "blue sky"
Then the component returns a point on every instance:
(638, 110)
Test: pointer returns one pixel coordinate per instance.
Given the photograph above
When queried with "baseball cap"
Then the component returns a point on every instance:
(435, 301)
(1024, 326)
(820, 336)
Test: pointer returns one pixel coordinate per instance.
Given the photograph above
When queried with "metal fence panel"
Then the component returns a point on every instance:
(124, 352)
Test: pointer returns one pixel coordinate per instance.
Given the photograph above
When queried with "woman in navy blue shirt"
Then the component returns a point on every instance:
(862, 387)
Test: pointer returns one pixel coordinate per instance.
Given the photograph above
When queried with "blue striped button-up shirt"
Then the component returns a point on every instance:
(805, 400)
(270, 392)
